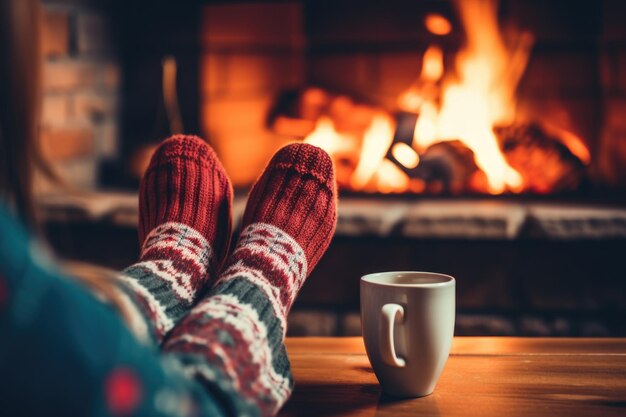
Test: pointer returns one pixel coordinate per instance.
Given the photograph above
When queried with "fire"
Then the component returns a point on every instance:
(437, 24)
(461, 104)
(390, 179)
(479, 97)
(376, 141)
(424, 89)
(326, 137)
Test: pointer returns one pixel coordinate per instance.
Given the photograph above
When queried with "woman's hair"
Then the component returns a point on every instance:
(20, 98)
(20, 155)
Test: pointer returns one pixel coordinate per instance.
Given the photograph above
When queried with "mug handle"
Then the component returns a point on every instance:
(391, 313)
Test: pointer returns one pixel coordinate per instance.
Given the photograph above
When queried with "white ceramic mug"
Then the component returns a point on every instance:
(408, 325)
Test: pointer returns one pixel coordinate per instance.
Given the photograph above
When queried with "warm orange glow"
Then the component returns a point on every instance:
(462, 104)
(573, 142)
(376, 142)
(411, 101)
(405, 155)
(481, 97)
(170, 96)
(289, 126)
(390, 179)
(437, 24)
(432, 69)
(424, 88)
(326, 137)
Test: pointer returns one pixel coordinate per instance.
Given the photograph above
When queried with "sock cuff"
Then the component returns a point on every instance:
(186, 250)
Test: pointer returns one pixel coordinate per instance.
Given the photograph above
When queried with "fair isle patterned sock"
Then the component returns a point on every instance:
(235, 336)
(185, 224)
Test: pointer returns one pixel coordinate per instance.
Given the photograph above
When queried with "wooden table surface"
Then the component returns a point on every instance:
(484, 376)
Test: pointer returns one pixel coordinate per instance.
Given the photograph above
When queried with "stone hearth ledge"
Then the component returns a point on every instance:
(487, 219)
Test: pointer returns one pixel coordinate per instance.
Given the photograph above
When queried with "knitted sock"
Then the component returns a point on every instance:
(236, 334)
(184, 226)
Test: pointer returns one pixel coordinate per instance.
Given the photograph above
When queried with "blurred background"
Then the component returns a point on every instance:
(482, 139)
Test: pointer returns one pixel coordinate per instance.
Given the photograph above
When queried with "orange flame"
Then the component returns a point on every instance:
(326, 137)
(437, 24)
(574, 143)
(424, 88)
(480, 97)
(376, 141)
(465, 106)
(432, 70)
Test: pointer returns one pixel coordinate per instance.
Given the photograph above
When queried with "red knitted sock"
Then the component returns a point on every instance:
(289, 220)
(296, 194)
(234, 336)
(184, 227)
(185, 183)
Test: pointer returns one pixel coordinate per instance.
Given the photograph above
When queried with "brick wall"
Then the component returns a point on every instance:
(81, 81)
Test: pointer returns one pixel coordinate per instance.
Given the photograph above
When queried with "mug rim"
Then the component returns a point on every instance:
(370, 279)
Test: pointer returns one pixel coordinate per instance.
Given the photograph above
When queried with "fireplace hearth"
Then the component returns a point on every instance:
(522, 267)
(366, 81)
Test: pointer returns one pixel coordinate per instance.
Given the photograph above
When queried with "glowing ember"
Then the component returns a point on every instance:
(405, 155)
(437, 24)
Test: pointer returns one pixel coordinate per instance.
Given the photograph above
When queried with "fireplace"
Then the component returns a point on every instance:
(390, 90)
(432, 97)
(418, 97)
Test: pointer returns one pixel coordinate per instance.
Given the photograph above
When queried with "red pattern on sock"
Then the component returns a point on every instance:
(272, 260)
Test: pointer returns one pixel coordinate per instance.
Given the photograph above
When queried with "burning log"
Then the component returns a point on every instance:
(343, 126)
(450, 164)
(541, 157)
(376, 154)
(445, 167)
